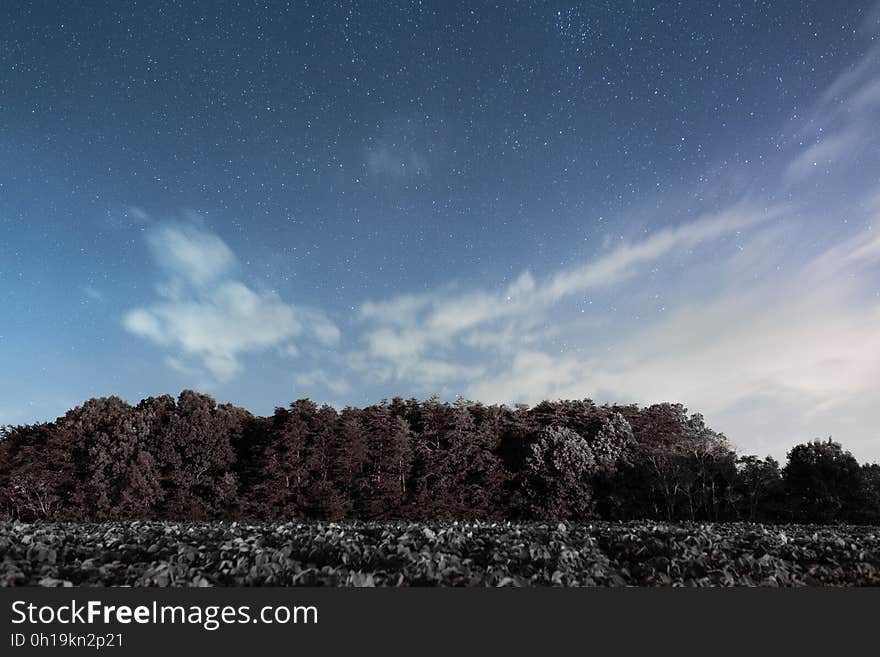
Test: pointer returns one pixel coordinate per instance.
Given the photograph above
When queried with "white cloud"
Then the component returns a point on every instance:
(400, 310)
(530, 377)
(319, 379)
(211, 318)
(193, 254)
(398, 345)
(410, 330)
(525, 295)
(319, 326)
(219, 324)
(621, 262)
(428, 372)
(144, 323)
(179, 366)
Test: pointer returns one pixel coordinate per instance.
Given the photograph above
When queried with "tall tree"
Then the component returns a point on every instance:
(556, 478)
(111, 459)
(758, 489)
(389, 460)
(33, 485)
(195, 454)
(822, 483)
(350, 463)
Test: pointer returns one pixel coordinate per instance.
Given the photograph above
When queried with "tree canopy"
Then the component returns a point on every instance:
(191, 458)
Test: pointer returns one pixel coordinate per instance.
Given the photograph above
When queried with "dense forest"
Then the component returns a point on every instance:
(191, 458)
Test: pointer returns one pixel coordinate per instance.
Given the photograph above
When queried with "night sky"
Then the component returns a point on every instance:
(627, 201)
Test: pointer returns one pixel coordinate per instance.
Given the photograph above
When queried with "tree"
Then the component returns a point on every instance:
(869, 498)
(285, 474)
(758, 489)
(30, 487)
(612, 442)
(678, 467)
(111, 460)
(822, 483)
(612, 447)
(350, 463)
(194, 450)
(456, 470)
(709, 469)
(324, 499)
(431, 427)
(190, 458)
(557, 473)
(250, 446)
(389, 460)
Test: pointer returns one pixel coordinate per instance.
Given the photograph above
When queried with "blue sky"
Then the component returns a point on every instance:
(351, 201)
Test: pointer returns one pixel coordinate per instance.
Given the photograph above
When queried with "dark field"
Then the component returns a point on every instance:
(445, 554)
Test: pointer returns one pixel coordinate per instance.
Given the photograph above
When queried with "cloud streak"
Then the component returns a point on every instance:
(842, 124)
(406, 328)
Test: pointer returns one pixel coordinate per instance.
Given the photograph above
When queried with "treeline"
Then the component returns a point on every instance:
(191, 458)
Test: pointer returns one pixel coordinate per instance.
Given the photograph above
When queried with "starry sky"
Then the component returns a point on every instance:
(627, 201)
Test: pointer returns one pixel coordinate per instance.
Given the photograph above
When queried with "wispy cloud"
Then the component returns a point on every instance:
(414, 332)
(841, 124)
(402, 149)
(204, 314)
(399, 162)
(93, 293)
(825, 152)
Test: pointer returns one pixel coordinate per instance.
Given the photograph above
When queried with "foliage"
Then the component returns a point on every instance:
(556, 479)
(190, 459)
(759, 489)
(823, 483)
